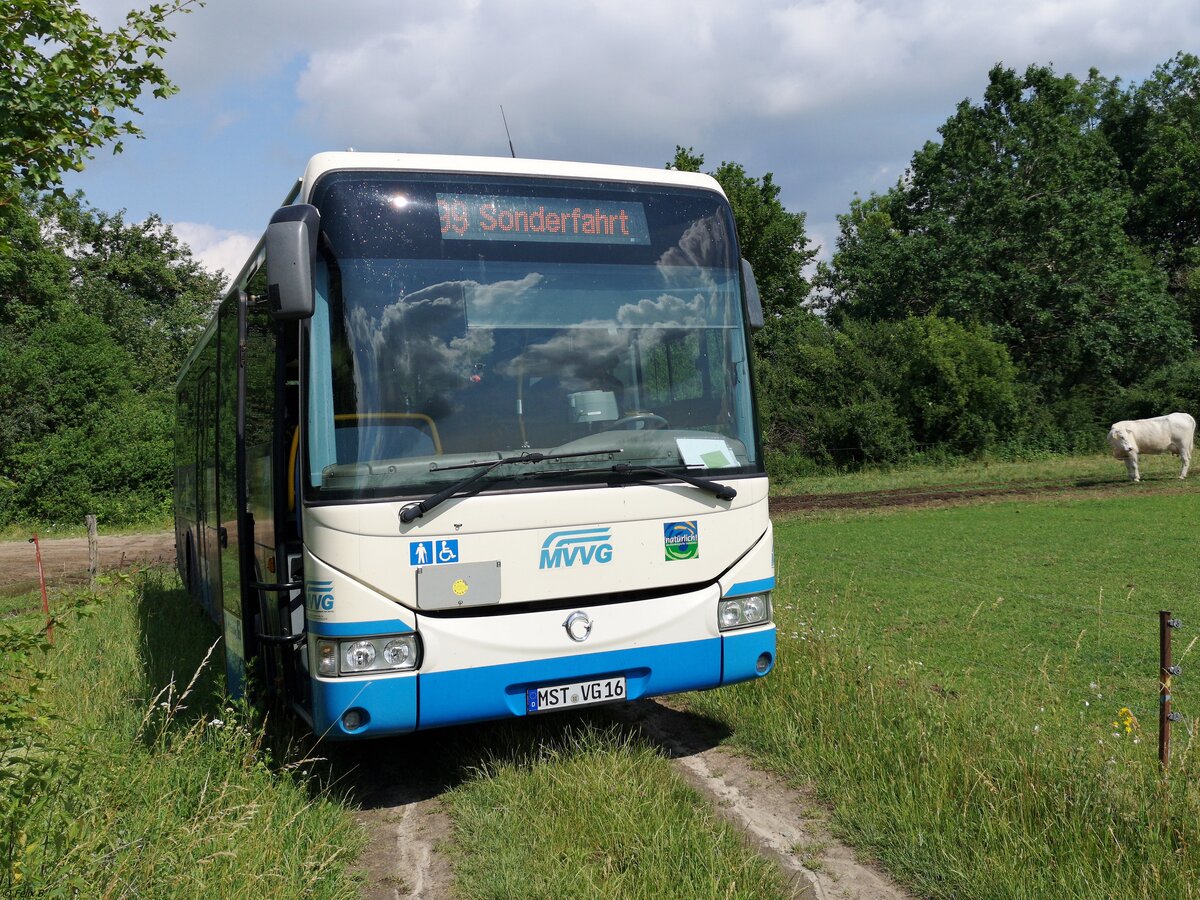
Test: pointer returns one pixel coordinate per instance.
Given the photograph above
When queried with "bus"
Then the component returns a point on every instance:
(473, 438)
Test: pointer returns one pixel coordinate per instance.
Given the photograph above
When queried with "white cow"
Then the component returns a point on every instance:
(1162, 434)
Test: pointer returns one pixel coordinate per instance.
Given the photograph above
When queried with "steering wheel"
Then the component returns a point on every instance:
(649, 421)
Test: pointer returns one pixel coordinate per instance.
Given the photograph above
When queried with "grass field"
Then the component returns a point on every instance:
(122, 777)
(1094, 469)
(117, 787)
(974, 690)
(970, 688)
(52, 530)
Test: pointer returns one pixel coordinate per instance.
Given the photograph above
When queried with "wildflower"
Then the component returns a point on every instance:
(1126, 720)
(216, 723)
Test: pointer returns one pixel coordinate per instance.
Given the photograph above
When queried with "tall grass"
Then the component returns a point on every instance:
(20, 531)
(593, 811)
(973, 692)
(135, 776)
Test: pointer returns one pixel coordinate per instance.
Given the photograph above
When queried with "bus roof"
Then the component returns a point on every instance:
(495, 165)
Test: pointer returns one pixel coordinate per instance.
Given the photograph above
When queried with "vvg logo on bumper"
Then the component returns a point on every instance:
(579, 547)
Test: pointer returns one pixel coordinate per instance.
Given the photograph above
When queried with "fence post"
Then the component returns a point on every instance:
(1165, 672)
(93, 551)
(37, 550)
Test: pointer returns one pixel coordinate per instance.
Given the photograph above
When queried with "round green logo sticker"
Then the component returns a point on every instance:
(681, 540)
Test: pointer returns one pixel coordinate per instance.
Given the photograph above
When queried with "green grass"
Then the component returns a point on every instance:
(148, 783)
(125, 775)
(1063, 470)
(949, 678)
(46, 531)
(595, 812)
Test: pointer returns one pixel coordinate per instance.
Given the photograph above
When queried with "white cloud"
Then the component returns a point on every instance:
(216, 249)
(833, 96)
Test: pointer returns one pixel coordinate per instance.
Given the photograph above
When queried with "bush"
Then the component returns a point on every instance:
(872, 393)
(1172, 388)
(114, 462)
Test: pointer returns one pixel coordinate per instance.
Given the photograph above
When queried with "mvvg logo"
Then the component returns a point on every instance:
(582, 546)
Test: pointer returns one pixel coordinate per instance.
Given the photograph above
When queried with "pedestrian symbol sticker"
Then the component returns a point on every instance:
(432, 553)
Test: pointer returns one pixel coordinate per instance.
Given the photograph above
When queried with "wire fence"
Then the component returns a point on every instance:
(1155, 665)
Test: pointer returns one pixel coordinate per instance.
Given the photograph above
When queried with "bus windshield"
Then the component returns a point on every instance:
(465, 319)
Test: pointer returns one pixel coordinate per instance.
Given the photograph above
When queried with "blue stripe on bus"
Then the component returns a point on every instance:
(358, 629)
(750, 587)
(390, 705)
(492, 692)
(742, 650)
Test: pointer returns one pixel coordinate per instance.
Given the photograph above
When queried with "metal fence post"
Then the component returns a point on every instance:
(1166, 671)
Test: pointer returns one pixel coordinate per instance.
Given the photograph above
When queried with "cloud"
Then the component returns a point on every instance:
(216, 249)
(833, 96)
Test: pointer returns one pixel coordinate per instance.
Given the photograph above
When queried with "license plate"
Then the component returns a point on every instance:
(581, 693)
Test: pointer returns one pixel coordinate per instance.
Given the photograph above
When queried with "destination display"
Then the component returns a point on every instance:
(474, 217)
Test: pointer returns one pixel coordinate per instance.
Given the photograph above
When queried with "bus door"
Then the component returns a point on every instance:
(208, 520)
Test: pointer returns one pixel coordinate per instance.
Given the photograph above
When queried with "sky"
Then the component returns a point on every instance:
(831, 97)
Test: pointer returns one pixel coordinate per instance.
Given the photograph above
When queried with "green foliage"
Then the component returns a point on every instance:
(36, 767)
(872, 393)
(607, 817)
(1016, 220)
(1172, 388)
(68, 85)
(1155, 130)
(90, 348)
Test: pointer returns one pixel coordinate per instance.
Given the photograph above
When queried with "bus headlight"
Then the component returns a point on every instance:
(741, 612)
(358, 656)
(397, 652)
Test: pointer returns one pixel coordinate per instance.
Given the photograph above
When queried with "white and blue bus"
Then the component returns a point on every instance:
(472, 438)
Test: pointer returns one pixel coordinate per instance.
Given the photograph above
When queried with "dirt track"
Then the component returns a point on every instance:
(919, 496)
(65, 560)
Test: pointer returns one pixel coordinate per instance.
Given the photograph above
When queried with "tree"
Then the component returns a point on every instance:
(89, 350)
(772, 239)
(1016, 220)
(67, 85)
(1154, 127)
(138, 279)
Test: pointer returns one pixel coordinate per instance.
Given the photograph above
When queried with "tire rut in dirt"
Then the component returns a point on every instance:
(779, 821)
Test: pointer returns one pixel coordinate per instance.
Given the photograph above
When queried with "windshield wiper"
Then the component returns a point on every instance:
(417, 510)
(722, 491)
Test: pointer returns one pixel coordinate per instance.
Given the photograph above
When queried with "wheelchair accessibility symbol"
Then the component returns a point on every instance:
(431, 553)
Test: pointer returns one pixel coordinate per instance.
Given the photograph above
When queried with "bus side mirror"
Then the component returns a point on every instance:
(754, 310)
(291, 260)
